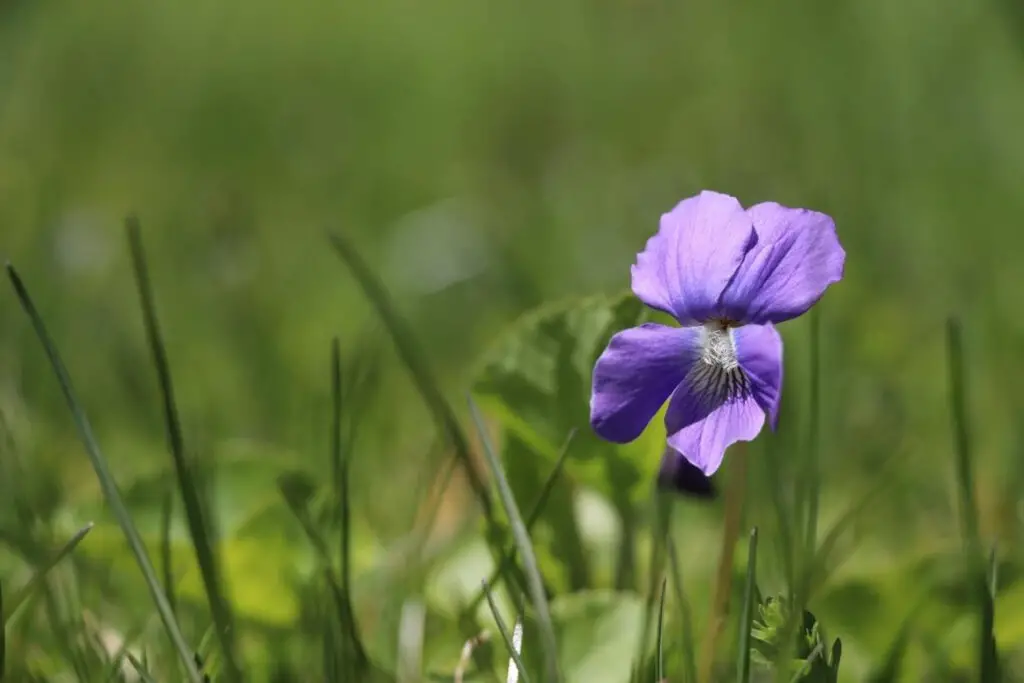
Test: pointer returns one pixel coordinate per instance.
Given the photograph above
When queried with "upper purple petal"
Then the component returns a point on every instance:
(634, 377)
(797, 257)
(759, 351)
(701, 433)
(697, 250)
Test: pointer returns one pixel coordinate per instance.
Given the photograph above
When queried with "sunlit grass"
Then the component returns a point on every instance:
(777, 635)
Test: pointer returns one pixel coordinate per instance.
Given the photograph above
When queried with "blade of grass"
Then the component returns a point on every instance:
(734, 496)
(662, 509)
(106, 479)
(166, 559)
(140, 669)
(988, 664)
(993, 571)
(522, 537)
(117, 660)
(784, 518)
(340, 463)
(419, 369)
(889, 671)
(197, 524)
(747, 612)
(811, 466)
(660, 670)
(38, 579)
(685, 611)
(512, 673)
(358, 661)
(513, 649)
(3, 638)
(509, 556)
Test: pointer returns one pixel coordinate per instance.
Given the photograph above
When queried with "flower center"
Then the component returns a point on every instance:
(717, 345)
(716, 374)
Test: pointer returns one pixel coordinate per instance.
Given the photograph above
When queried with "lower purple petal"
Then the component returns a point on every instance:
(635, 376)
(702, 432)
(678, 474)
(759, 351)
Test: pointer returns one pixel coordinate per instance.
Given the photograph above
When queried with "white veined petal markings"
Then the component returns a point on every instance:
(716, 375)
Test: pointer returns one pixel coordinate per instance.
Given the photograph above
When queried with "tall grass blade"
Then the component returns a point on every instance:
(116, 666)
(660, 636)
(166, 557)
(38, 580)
(685, 612)
(188, 486)
(140, 669)
(340, 463)
(988, 664)
(106, 479)
(355, 658)
(534, 582)
(418, 368)
(889, 671)
(509, 555)
(735, 495)
(812, 465)
(3, 637)
(512, 673)
(510, 644)
(993, 571)
(662, 506)
(747, 612)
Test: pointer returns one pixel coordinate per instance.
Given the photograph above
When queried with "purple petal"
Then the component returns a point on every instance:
(797, 257)
(678, 474)
(686, 266)
(635, 376)
(702, 432)
(759, 351)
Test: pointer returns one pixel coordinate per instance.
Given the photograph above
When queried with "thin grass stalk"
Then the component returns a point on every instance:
(534, 582)
(340, 460)
(812, 464)
(38, 580)
(988, 664)
(106, 479)
(685, 613)
(418, 368)
(747, 613)
(659, 671)
(187, 485)
(735, 494)
(510, 645)
(508, 557)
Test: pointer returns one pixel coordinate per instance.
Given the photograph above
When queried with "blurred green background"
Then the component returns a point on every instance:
(486, 158)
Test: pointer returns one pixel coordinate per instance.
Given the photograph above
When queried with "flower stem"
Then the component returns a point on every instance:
(735, 493)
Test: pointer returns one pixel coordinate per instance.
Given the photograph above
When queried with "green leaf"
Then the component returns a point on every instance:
(590, 627)
(537, 382)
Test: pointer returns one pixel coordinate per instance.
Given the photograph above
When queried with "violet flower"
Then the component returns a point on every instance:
(727, 275)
